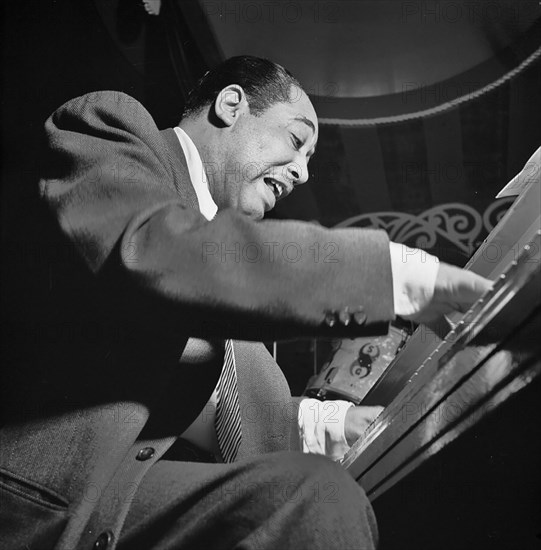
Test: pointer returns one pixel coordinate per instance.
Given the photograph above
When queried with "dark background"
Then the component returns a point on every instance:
(483, 493)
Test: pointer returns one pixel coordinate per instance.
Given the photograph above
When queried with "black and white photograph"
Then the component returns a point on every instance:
(271, 275)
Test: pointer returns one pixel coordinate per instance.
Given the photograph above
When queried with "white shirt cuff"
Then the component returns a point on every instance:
(321, 427)
(414, 278)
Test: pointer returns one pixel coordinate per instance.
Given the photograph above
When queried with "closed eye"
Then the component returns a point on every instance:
(297, 143)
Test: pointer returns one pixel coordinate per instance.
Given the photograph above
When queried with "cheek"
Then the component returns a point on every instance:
(268, 150)
(251, 171)
(249, 191)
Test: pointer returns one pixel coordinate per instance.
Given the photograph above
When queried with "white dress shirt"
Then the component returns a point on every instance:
(321, 424)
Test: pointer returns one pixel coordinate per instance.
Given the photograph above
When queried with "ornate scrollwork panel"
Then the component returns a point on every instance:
(455, 224)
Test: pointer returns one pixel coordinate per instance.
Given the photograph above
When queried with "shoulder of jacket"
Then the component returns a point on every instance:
(105, 111)
(106, 104)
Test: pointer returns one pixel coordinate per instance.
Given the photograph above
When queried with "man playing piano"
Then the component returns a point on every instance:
(154, 249)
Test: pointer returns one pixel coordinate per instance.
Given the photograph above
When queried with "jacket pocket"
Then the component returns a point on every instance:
(31, 516)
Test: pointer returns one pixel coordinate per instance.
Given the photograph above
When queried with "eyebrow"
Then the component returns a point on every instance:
(306, 121)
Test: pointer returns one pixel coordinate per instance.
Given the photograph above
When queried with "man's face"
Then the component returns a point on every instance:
(267, 155)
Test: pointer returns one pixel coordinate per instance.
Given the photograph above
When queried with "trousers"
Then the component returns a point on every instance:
(277, 501)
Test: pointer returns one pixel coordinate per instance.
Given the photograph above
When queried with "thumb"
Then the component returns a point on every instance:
(459, 287)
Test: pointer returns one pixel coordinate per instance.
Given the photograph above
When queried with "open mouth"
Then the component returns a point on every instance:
(276, 187)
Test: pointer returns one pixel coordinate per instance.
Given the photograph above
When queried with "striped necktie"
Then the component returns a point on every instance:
(228, 427)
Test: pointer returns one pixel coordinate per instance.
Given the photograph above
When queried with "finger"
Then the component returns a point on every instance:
(471, 288)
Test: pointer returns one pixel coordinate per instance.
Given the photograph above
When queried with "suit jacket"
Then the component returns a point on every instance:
(121, 271)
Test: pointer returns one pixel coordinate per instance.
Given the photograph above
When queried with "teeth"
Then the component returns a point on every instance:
(276, 187)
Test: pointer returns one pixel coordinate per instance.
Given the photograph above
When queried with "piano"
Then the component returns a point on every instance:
(457, 397)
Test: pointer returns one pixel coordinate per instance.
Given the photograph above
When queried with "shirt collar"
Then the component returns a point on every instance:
(198, 176)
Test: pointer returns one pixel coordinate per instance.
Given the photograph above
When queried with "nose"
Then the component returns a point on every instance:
(298, 172)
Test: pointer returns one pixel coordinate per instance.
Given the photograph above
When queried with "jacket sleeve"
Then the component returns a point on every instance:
(109, 183)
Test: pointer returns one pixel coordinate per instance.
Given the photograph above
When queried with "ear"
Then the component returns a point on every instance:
(230, 103)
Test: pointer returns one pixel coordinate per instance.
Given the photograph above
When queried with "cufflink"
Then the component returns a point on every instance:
(330, 318)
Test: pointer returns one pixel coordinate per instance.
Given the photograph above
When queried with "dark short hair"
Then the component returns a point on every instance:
(264, 83)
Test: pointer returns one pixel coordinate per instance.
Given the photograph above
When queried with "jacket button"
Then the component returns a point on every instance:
(103, 541)
(330, 319)
(345, 316)
(360, 316)
(145, 454)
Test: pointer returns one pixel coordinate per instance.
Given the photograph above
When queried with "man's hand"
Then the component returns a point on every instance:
(357, 420)
(455, 290)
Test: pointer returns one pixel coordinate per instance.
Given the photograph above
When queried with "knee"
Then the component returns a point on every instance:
(316, 478)
(309, 467)
(345, 518)
(313, 491)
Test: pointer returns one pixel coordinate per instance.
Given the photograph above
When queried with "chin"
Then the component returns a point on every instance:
(256, 215)
(256, 212)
